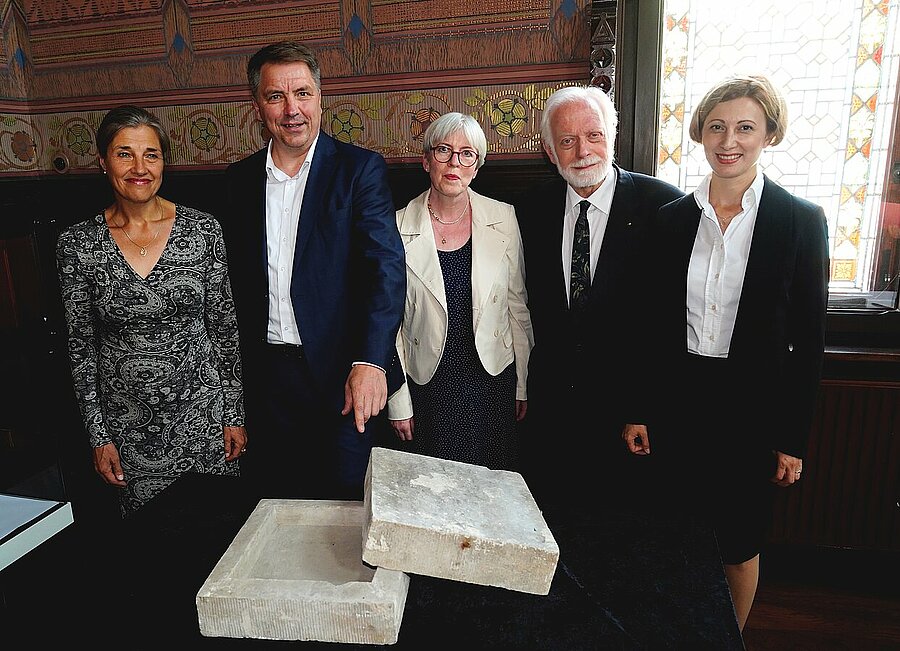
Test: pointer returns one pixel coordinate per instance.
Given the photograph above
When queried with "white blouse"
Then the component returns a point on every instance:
(716, 271)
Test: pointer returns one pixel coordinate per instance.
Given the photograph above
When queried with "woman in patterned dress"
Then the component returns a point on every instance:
(153, 340)
(466, 334)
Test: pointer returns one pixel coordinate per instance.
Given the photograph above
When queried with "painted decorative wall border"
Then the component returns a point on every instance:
(211, 135)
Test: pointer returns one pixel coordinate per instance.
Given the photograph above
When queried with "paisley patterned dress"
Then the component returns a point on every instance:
(155, 361)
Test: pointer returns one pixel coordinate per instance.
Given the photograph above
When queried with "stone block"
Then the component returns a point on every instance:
(456, 521)
(294, 571)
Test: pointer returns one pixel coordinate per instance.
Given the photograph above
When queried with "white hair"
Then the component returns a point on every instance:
(590, 95)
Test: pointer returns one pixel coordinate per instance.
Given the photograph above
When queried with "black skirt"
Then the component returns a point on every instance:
(711, 448)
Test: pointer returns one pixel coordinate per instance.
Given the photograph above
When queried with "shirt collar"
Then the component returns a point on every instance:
(752, 195)
(273, 171)
(601, 198)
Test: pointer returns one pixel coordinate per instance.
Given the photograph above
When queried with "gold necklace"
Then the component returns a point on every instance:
(441, 221)
(152, 239)
(724, 222)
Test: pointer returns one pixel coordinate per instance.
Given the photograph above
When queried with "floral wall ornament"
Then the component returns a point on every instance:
(508, 117)
(22, 146)
(420, 120)
(204, 133)
(347, 125)
(79, 138)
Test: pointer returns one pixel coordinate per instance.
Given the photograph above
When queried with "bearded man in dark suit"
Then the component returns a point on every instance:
(573, 452)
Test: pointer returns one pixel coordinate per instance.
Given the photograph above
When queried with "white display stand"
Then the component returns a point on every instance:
(26, 522)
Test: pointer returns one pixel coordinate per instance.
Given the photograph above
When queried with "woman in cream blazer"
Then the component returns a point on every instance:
(466, 334)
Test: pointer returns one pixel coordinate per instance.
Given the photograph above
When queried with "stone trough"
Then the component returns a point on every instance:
(295, 572)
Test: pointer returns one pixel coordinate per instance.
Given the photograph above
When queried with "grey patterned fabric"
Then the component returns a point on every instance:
(580, 285)
(155, 361)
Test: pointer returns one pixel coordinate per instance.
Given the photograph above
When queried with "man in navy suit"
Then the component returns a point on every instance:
(318, 276)
(572, 447)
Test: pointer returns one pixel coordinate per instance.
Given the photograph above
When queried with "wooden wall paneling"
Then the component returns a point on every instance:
(820, 452)
(850, 486)
(873, 511)
(866, 511)
(892, 473)
(8, 317)
(33, 368)
(850, 493)
(20, 287)
(877, 476)
(822, 449)
(844, 465)
(860, 499)
(833, 448)
(638, 47)
(847, 483)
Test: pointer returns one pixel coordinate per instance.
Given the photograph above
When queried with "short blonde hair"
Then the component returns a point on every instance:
(756, 87)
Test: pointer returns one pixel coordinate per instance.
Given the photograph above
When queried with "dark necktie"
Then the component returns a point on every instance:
(580, 286)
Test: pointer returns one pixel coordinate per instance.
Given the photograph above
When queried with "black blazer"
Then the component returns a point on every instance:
(779, 334)
(560, 365)
(349, 278)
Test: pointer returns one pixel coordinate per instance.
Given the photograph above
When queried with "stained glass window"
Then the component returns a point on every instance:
(837, 64)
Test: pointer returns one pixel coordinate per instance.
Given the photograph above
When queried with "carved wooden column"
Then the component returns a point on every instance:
(603, 46)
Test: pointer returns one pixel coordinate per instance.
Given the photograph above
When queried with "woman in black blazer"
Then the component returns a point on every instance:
(740, 278)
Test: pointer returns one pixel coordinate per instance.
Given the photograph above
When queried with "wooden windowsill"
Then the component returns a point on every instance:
(862, 354)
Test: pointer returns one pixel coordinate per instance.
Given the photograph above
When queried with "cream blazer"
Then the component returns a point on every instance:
(500, 318)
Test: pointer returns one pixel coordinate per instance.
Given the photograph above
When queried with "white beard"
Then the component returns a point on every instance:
(584, 178)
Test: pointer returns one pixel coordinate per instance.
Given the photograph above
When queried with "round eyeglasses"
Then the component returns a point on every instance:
(443, 154)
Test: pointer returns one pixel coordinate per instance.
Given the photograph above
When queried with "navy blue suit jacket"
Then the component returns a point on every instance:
(349, 277)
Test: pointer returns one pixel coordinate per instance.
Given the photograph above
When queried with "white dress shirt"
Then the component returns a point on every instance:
(598, 217)
(716, 271)
(284, 196)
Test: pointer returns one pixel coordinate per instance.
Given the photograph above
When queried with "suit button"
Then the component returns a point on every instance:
(496, 333)
(416, 341)
(495, 299)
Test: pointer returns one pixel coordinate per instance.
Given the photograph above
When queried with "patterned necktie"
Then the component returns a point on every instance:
(580, 286)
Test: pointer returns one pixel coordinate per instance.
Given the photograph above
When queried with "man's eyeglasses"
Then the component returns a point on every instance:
(443, 154)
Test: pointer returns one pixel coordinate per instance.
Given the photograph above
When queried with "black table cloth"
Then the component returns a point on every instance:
(625, 580)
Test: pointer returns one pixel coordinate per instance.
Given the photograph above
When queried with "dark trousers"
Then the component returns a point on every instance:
(300, 446)
(573, 455)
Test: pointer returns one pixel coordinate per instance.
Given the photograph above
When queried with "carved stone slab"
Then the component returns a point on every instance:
(295, 572)
(456, 521)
